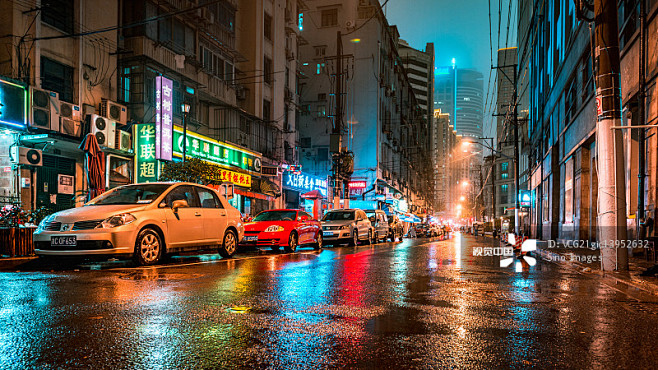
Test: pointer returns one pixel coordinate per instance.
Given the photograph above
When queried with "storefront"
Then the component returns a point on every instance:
(295, 184)
(13, 122)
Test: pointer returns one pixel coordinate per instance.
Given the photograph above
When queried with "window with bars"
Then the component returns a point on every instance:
(57, 77)
(59, 14)
(267, 26)
(267, 70)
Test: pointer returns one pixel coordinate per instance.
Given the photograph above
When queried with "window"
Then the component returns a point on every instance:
(320, 51)
(322, 96)
(208, 199)
(59, 14)
(504, 175)
(568, 191)
(267, 70)
(322, 111)
(267, 26)
(570, 101)
(330, 17)
(267, 110)
(185, 193)
(504, 166)
(57, 77)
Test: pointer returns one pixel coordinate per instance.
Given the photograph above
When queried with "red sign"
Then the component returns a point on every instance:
(357, 185)
(599, 106)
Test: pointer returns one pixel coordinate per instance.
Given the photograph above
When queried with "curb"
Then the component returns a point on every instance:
(11, 262)
(630, 280)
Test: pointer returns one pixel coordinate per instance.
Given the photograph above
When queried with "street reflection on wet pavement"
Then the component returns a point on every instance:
(419, 303)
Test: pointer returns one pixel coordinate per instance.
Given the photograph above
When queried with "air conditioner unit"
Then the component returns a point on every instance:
(125, 141)
(114, 111)
(43, 109)
(28, 156)
(69, 119)
(241, 94)
(349, 24)
(103, 128)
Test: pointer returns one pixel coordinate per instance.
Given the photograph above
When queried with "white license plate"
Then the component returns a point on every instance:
(251, 238)
(63, 241)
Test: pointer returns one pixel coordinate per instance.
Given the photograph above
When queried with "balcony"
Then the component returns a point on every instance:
(143, 46)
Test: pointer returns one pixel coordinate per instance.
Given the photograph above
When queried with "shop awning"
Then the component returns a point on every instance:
(251, 194)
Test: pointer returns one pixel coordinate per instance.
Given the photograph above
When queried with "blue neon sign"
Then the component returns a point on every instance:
(304, 182)
(13, 105)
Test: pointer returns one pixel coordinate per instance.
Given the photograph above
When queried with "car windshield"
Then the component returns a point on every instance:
(276, 216)
(338, 216)
(131, 194)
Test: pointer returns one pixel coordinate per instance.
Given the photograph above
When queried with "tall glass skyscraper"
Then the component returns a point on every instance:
(459, 92)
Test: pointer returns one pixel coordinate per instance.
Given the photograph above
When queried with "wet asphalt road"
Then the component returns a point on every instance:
(414, 304)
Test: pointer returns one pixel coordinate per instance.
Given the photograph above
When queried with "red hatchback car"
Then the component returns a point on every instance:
(285, 228)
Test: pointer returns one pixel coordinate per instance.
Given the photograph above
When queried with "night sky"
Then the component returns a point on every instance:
(458, 29)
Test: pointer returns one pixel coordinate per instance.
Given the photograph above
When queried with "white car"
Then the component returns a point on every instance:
(145, 221)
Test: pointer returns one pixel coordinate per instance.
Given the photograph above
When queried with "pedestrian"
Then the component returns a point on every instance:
(412, 231)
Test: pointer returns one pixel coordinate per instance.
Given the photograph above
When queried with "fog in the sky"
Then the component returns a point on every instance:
(459, 29)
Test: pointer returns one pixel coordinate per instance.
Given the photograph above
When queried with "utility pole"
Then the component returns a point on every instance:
(493, 196)
(516, 154)
(335, 144)
(611, 193)
(641, 169)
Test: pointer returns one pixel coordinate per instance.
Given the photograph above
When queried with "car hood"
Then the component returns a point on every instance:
(262, 225)
(88, 213)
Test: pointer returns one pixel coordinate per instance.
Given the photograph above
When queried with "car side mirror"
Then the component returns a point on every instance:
(162, 205)
(179, 204)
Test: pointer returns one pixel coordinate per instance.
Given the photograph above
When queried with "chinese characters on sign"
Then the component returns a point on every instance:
(493, 251)
(357, 187)
(304, 182)
(205, 148)
(239, 179)
(146, 164)
(163, 118)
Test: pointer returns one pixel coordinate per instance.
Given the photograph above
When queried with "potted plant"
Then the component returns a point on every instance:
(16, 228)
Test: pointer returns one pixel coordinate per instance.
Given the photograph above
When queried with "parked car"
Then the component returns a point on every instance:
(287, 228)
(145, 221)
(422, 230)
(433, 230)
(346, 226)
(395, 228)
(379, 221)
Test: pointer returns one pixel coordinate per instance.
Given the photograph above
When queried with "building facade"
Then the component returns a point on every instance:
(384, 125)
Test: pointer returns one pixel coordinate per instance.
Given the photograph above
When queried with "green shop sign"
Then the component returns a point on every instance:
(205, 148)
(146, 166)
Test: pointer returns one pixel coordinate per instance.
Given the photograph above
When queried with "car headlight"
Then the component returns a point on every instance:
(45, 221)
(116, 220)
(345, 227)
(273, 229)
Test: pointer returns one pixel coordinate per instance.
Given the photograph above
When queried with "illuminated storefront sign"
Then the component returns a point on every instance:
(239, 179)
(163, 118)
(146, 165)
(213, 151)
(304, 182)
(13, 105)
(357, 185)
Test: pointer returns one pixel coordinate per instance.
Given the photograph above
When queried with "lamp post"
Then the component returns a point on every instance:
(185, 108)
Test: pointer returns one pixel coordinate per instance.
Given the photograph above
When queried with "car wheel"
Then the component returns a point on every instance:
(355, 239)
(229, 245)
(369, 240)
(318, 243)
(292, 243)
(149, 248)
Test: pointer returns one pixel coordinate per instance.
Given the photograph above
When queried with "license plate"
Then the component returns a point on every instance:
(63, 241)
(325, 233)
(251, 238)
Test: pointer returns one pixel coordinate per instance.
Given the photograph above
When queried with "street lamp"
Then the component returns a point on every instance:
(185, 108)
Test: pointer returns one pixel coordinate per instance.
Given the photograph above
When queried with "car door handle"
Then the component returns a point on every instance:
(197, 214)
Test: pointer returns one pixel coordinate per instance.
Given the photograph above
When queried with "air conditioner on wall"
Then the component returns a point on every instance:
(114, 111)
(103, 128)
(125, 141)
(69, 119)
(43, 109)
(28, 156)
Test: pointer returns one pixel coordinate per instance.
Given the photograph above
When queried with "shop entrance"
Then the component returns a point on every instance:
(50, 193)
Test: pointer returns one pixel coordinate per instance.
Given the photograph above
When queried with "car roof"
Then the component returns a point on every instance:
(283, 209)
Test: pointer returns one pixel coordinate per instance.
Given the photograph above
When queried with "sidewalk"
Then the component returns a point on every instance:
(588, 260)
